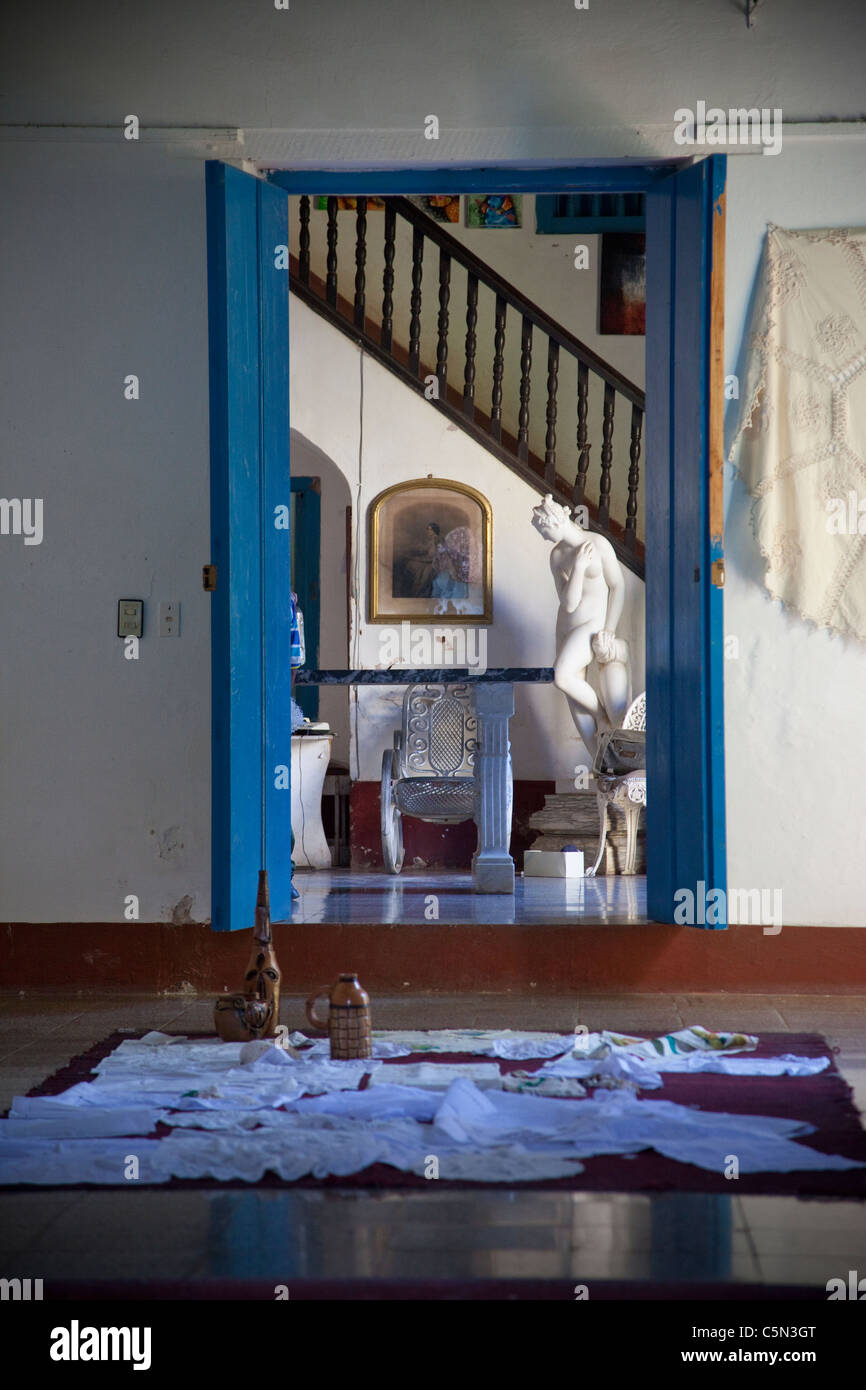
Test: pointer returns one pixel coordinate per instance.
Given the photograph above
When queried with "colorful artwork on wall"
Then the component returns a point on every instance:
(345, 204)
(494, 210)
(622, 297)
(430, 553)
(442, 207)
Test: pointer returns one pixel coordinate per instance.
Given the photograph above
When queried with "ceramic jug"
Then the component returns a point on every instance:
(348, 1020)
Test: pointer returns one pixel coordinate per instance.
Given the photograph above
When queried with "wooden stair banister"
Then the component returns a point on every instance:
(458, 400)
(435, 232)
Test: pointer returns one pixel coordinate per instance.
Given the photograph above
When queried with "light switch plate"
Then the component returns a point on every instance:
(169, 618)
(129, 617)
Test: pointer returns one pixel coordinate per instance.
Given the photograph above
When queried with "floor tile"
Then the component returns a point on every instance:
(25, 1216)
(780, 1213)
(814, 1271)
(120, 1265)
(343, 895)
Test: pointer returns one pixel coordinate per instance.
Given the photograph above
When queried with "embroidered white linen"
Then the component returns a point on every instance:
(226, 1124)
(801, 443)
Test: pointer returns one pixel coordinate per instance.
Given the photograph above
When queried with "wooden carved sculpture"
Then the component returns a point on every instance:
(256, 1012)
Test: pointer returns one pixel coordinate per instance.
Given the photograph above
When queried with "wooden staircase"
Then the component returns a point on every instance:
(611, 500)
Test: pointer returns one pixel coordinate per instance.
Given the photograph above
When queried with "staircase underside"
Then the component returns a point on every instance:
(478, 426)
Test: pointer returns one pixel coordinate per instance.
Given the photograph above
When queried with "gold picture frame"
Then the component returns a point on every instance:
(430, 554)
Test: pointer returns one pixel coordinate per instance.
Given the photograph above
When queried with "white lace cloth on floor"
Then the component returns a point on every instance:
(239, 1111)
(801, 442)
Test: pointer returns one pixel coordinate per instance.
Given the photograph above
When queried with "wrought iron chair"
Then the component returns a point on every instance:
(430, 771)
(627, 792)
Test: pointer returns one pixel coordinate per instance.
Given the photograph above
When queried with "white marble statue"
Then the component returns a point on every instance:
(591, 589)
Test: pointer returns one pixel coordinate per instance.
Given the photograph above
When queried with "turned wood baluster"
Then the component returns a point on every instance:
(471, 341)
(331, 274)
(388, 275)
(606, 455)
(525, 383)
(442, 341)
(550, 438)
(583, 447)
(498, 368)
(415, 320)
(633, 476)
(360, 264)
(304, 265)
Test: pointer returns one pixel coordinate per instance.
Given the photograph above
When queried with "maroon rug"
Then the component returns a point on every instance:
(261, 1291)
(825, 1101)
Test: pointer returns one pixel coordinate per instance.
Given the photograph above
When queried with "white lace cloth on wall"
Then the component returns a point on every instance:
(800, 446)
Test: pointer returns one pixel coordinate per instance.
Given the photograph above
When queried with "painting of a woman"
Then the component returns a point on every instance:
(430, 551)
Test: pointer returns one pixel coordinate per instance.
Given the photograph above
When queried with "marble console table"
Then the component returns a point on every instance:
(492, 864)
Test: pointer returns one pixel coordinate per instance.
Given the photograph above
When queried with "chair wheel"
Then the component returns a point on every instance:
(392, 820)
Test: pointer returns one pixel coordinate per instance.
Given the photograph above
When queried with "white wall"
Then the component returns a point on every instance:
(103, 272)
(490, 68)
(796, 761)
(405, 438)
(104, 762)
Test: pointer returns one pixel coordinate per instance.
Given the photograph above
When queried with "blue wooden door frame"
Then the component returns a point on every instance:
(684, 540)
(248, 329)
(685, 753)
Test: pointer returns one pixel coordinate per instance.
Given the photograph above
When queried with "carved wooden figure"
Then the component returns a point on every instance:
(254, 1013)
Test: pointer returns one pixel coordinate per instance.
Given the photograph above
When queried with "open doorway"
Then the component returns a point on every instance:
(685, 832)
(493, 346)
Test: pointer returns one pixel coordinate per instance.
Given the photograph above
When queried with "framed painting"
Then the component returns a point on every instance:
(430, 553)
(622, 299)
(442, 207)
(494, 210)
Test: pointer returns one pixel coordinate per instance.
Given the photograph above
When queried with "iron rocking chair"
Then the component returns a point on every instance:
(430, 771)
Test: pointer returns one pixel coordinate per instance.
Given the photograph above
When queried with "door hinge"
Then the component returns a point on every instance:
(717, 573)
(209, 577)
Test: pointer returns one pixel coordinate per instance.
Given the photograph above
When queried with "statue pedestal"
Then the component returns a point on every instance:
(572, 818)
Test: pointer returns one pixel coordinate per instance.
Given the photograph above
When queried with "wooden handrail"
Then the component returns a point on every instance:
(502, 287)
(629, 550)
(458, 401)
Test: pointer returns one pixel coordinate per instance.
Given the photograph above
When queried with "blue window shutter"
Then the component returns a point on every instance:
(611, 211)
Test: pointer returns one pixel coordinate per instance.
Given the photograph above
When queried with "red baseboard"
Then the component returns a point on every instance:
(569, 959)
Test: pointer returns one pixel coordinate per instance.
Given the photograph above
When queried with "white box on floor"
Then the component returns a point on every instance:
(553, 863)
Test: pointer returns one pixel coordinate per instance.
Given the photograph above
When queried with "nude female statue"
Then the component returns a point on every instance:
(591, 589)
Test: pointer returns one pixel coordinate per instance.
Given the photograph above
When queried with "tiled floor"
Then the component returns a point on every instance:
(342, 895)
(281, 1236)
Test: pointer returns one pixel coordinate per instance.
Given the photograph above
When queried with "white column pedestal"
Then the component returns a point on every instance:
(492, 865)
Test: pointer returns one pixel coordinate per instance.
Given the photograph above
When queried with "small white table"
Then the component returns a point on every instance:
(311, 754)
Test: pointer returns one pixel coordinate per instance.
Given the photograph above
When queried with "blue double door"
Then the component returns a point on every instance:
(248, 285)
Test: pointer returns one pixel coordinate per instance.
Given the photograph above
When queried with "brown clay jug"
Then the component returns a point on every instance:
(348, 1020)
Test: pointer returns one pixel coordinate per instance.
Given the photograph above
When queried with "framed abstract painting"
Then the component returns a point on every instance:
(430, 553)
(494, 210)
